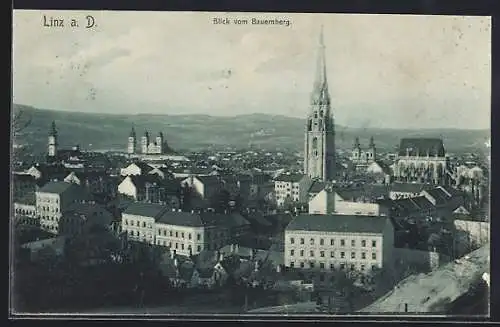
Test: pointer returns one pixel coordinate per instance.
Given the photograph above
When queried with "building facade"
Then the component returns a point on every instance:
(319, 143)
(292, 188)
(362, 158)
(149, 145)
(422, 160)
(339, 242)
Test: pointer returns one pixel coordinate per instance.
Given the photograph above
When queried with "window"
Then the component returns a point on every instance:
(182, 234)
(374, 256)
(332, 254)
(292, 264)
(301, 253)
(292, 240)
(332, 242)
(198, 236)
(311, 264)
(342, 266)
(332, 266)
(311, 253)
(182, 246)
(353, 242)
(138, 224)
(171, 233)
(176, 245)
(353, 255)
(342, 255)
(322, 265)
(362, 267)
(164, 232)
(322, 254)
(189, 236)
(321, 241)
(363, 243)
(342, 242)
(198, 248)
(301, 265)
(126, 222)
(169, 244)
(301, 241)
(176, 234)
(143, 224)
(363, 255)
(311, 241)
(374, 243)
(159, 231)
(292, 252)
(353, 267)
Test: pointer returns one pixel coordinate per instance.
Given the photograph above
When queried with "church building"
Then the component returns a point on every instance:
(148, 145)
(319, 143)
(422, 160)
(361, 158)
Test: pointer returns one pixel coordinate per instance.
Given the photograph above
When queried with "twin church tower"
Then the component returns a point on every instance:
(319, 141)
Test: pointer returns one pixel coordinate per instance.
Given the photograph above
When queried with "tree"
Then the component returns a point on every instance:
(20, 121)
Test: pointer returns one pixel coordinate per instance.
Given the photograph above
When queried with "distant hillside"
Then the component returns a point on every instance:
(106, 131)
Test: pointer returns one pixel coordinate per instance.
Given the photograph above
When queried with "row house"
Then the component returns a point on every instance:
(188, 233)
(150, 188)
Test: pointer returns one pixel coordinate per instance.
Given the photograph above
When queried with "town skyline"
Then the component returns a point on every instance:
(237, 70)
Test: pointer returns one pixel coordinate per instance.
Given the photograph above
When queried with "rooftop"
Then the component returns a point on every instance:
(338, 223)
(55, 187)
(422, 147)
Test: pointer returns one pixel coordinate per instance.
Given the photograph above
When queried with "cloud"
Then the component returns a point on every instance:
(409, 70)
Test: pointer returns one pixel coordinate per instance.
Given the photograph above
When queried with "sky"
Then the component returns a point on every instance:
(389, 71)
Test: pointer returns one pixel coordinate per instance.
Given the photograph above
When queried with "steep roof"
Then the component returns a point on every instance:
(209, 180)
(439, 195)
(197, 219)
(152, 210)
(409, 187)
(422, 147)
(338, 223)
(316, 187)
(289, 178)
(56, 187)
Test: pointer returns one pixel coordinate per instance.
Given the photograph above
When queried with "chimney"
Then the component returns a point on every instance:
(190, 252)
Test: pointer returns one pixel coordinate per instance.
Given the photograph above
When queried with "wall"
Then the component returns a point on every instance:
(418, 259)
(478, 231)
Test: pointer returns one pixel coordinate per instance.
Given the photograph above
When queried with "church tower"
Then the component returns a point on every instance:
(145, 143)
(132, 142)
(52, 144)
(319, 144)
(159, 143)
(371, 154)
(356, 150)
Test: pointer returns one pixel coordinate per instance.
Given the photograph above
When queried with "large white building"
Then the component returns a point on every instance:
(339, 242)
(319, 141)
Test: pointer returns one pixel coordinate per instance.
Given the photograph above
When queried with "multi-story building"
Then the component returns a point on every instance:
(292, 187)
(52, 200)
(361, 159)
(188, 233)
(339, 242)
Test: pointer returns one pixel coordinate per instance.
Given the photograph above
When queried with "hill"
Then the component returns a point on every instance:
(107, 131)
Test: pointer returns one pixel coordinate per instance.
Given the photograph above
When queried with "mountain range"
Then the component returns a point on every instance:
(194, 132)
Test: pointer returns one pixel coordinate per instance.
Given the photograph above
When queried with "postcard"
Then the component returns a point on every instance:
(250, 164)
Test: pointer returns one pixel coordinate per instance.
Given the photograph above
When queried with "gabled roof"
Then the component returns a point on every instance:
(209, 180)
(438, 195)
(409, 187)
(317, 186)
(152, 210)
(289, 178)
(338, 223)
(385, 168)
(56, 187)
(198, 219)
(421, 147)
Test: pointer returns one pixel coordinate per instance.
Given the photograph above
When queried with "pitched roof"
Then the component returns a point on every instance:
(409, 187)
(338, 223)
(197, 219)
(422, 147)
(209, 180)
(55, 187)
(439, 195)
(316, 187)
(289, 178)
(385, 168)
(152, 210)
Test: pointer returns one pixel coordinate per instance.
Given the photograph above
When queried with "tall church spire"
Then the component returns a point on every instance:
(320, 93)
